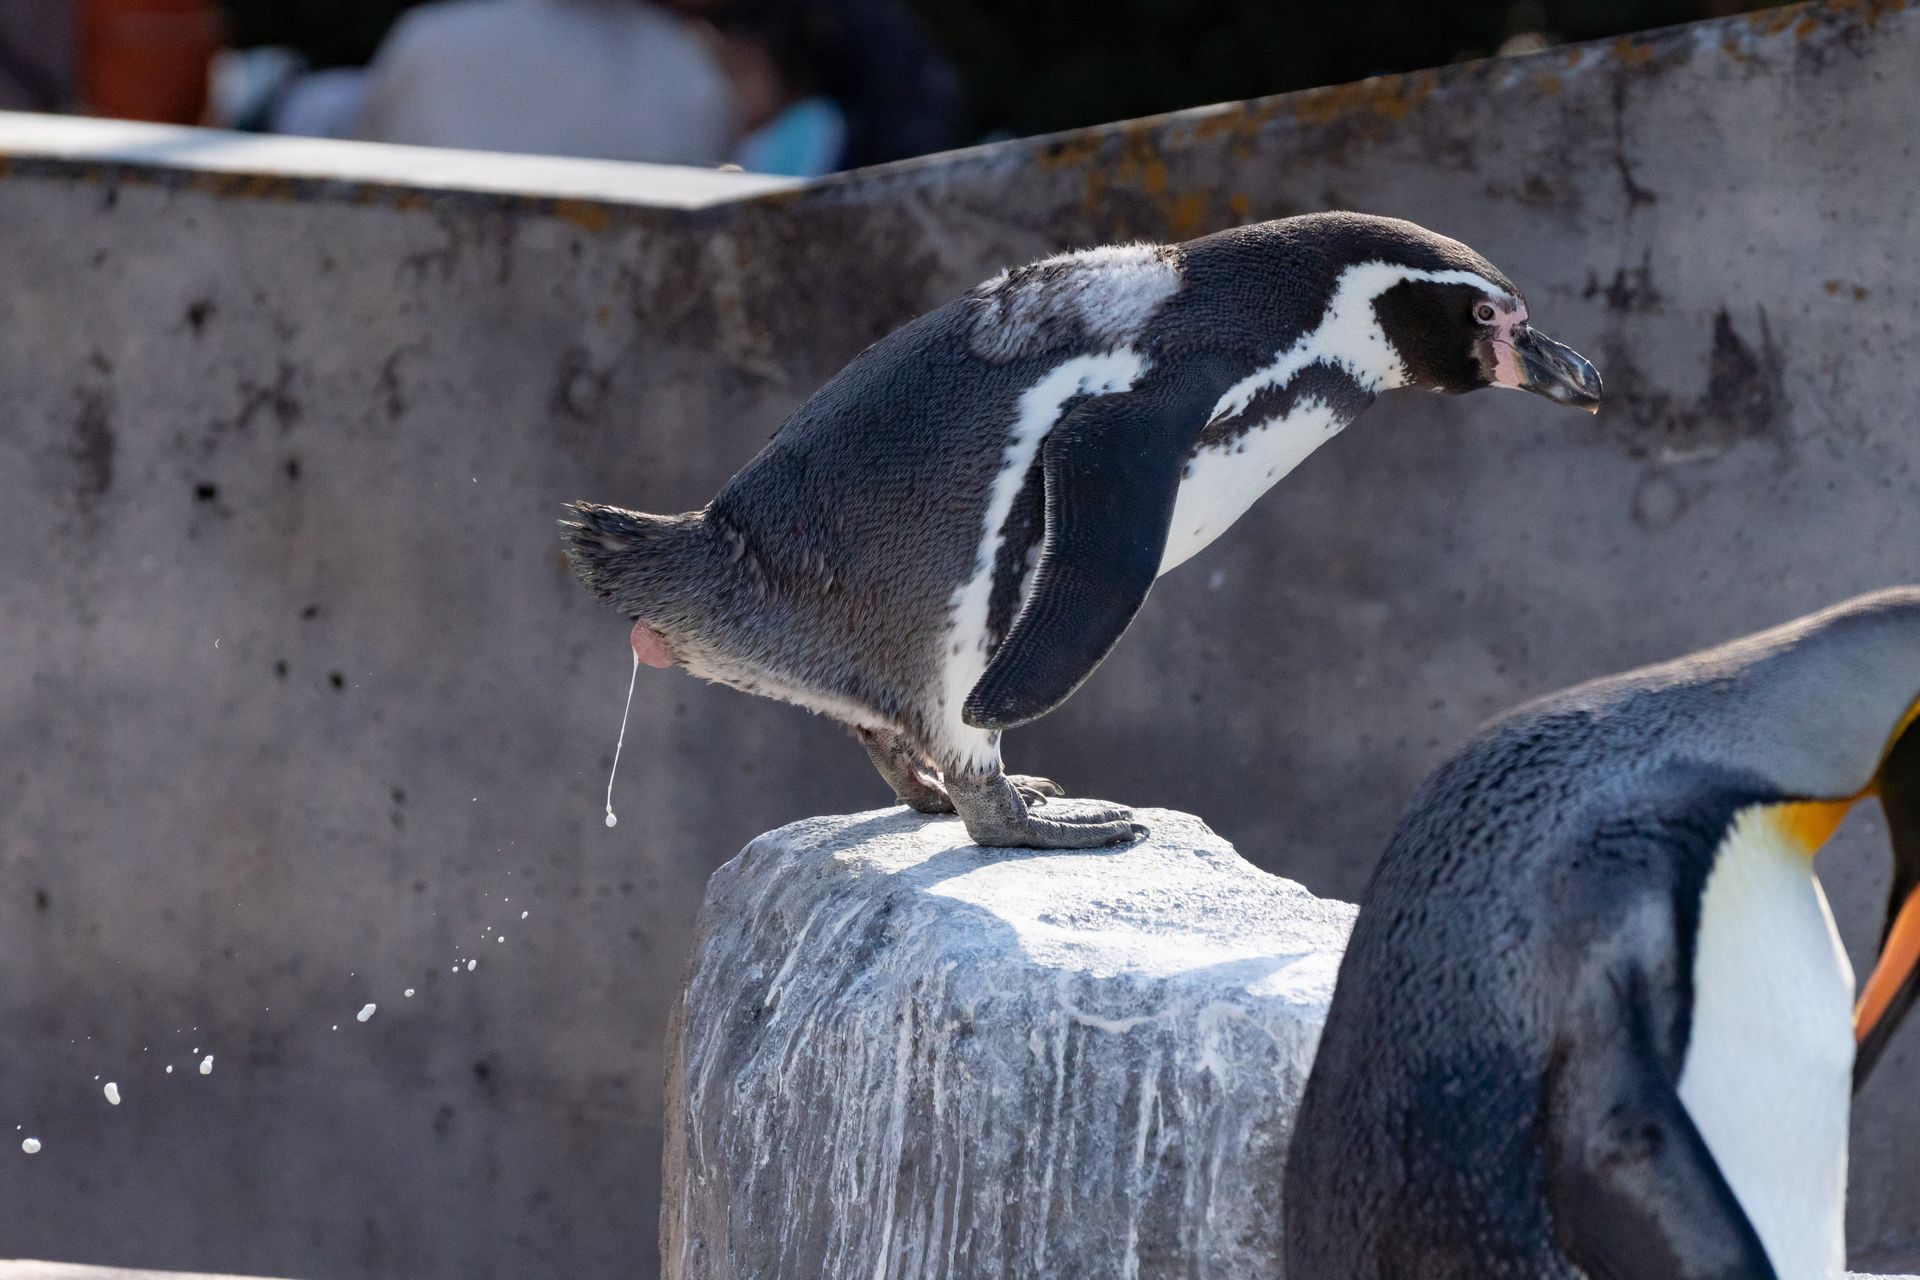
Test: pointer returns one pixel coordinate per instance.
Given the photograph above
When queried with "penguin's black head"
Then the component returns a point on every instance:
(1456, 333)
(1453, 322)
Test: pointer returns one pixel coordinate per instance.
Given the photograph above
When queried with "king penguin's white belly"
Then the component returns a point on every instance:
(1221, 483)
(1769, 1064)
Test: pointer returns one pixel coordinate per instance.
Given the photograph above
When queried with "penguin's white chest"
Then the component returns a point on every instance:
(1222, 481)
(1769, 1064)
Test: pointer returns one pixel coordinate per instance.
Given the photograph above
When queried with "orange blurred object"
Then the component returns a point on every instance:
(147, 59)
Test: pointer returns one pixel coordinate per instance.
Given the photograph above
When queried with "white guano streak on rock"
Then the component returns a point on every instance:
(901, 1055)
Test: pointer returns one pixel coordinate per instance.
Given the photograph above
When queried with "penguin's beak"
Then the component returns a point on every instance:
(1531, 361)
(1895, 981)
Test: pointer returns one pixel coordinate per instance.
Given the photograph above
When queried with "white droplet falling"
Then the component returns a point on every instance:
(206, 1065)
(365, 1013)
(523, 915)
(113, 1093)
(631, 682)
(472, 965)
(30, 1145)
(169, 1068)
(408, 993)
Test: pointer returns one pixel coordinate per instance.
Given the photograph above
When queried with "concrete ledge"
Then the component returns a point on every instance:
(24, 1270)
(269, 164)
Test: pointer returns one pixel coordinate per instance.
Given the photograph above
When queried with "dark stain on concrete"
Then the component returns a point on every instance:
(1744, 399)
(276, 399)
(580, 389)
(198, 313)
(93, 448)
(1631, 289)
(1745, 385)
(393, 395)
(1637, 195)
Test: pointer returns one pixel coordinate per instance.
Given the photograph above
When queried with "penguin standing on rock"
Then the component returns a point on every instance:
(1594, 1019)
(948, 537)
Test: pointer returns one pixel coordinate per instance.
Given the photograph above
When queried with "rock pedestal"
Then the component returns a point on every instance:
(902, 1055)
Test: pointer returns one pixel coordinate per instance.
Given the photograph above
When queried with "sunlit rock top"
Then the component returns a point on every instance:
(902, 1054)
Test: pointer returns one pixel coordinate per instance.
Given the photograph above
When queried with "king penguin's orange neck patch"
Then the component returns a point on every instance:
(1811, 823)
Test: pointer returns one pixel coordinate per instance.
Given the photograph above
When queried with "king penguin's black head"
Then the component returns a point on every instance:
(1452, 319)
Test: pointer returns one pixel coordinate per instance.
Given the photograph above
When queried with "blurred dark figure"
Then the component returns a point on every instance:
(896, 92)
(36, 55)
(612, 79)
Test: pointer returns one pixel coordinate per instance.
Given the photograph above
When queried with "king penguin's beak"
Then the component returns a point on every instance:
(1895, 980)
(1555, 370)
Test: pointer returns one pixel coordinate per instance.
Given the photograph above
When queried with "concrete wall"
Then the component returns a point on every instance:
(325, 421)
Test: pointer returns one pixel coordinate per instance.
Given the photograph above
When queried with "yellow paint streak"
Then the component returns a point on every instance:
(584, 214)
(1631, 51)
(1385, 97)
(1771, 22)
(1186, 215)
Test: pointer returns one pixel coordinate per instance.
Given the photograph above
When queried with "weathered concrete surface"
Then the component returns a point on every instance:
(902, 1055)
(327, 423)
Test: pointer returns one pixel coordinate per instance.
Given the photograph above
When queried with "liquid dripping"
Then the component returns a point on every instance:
(471, 965)
(408, 993)
(169, 1068)
(206, 1065)
(635, 679)
(113, 1093)
(365, 1013)
(30, 1145)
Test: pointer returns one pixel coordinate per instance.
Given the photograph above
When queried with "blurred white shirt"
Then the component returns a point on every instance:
(613, 79)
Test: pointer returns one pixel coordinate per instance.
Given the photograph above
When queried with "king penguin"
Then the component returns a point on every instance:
(948, 537)
(1594, 1019)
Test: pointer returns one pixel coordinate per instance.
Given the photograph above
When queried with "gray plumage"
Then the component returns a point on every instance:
(1495, 1092)
(949, 536)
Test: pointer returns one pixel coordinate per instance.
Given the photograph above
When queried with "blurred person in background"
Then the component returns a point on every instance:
(852, 82)
(36, 55)
(612, 79)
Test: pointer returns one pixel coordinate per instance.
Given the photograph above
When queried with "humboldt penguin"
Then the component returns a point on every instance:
(1594, 1019)
(948, 537)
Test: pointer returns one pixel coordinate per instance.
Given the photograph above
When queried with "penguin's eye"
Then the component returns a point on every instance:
(1483, 312)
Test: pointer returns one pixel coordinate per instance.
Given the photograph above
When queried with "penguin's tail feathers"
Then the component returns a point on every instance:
(640, 563)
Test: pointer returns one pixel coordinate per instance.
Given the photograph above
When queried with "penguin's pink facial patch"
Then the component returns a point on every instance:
(1505, 325)
(650, 647)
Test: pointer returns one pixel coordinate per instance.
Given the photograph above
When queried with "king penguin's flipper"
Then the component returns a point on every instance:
(1635, 1193)
(1112, 473)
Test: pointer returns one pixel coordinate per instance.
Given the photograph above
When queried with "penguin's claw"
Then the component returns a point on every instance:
(1035, 790)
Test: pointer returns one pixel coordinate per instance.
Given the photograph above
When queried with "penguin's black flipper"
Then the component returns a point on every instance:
(1112, 470)
(1635, 1193)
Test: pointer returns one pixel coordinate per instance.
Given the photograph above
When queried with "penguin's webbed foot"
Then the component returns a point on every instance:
(997, 815)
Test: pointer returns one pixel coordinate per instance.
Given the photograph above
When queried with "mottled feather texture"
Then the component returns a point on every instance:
(872, 560)
(1495, 1091)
